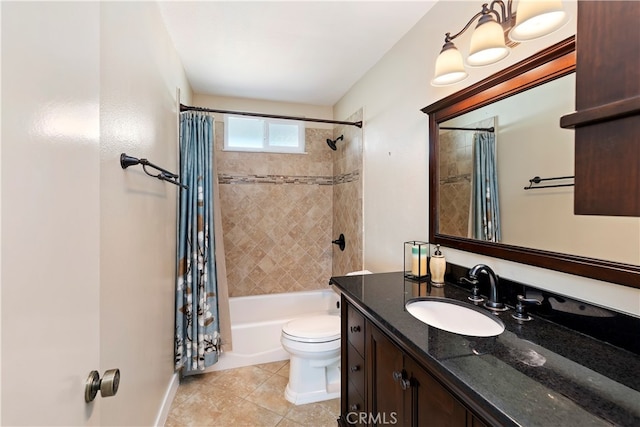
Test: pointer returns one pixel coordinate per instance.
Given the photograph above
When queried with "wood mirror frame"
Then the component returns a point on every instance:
(549, 64)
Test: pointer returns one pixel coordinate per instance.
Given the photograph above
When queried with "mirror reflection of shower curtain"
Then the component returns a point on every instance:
(485, 205)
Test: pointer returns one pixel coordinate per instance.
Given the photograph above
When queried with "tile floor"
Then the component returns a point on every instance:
(252, 396)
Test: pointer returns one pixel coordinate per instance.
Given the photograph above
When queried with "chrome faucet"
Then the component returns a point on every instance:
(492, 303)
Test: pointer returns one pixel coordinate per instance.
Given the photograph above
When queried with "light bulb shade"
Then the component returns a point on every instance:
(487, 43)
(536, 18)
(449, 66)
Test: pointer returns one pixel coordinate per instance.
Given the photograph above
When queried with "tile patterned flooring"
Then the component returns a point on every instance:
(252, 396)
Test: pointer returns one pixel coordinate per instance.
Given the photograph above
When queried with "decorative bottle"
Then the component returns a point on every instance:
(437, 267)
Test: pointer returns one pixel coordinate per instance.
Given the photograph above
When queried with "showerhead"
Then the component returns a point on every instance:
(332, 144)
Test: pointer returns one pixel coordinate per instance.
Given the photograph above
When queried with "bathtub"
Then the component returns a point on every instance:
(257, 320)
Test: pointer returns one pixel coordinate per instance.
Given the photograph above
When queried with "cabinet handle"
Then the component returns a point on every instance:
(399, 376)
(355, 368)
(355, 407)
(355, 328)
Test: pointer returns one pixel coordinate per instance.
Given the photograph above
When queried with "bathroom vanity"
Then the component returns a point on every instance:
(399, 370)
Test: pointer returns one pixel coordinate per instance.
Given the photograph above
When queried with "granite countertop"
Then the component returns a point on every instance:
(535, 373)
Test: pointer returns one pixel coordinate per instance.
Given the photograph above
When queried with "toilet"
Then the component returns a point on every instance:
(313, 344)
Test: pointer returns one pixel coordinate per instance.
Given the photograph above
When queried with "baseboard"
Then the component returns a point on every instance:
(169, 395)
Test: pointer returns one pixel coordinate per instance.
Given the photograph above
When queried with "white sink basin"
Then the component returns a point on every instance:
(455, 316)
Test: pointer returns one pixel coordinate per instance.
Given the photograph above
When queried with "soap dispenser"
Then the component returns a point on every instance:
(437, 267)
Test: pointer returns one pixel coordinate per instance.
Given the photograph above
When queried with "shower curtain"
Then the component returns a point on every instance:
(485, 205)
(201, 289)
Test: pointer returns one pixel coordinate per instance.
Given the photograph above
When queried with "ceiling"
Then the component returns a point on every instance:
(309, 52)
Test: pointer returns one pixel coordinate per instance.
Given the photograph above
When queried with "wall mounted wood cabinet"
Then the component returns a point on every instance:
(607, 117)
(383, 385)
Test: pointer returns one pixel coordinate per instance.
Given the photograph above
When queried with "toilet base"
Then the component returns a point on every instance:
(317, 384)
(332, 392)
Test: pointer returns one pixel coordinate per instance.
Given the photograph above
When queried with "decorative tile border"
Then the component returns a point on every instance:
(224, 178)
(346, 177)
(458, 178)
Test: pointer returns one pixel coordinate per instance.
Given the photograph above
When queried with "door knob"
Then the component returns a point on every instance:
(108, 385)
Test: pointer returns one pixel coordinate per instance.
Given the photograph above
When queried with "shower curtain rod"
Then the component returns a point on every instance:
(271, 116)
(491, 129)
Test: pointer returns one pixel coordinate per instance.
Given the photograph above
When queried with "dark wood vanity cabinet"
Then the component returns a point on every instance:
(352, 366)
(432, 404)
(393, 388)
(607, 117)
(389, 386)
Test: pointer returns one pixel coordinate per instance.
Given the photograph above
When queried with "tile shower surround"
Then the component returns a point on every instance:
(456, 166)
(278, 215)
(347, 197)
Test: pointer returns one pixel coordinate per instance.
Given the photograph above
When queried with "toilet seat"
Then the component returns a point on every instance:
(313, 329)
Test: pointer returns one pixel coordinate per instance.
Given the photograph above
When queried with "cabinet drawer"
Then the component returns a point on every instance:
(355, 369)
(355, 405)
(355, 329)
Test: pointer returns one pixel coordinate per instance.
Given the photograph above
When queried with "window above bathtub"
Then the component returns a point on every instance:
(263, 135)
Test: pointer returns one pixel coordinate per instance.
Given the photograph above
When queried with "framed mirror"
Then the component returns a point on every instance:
(501, 175)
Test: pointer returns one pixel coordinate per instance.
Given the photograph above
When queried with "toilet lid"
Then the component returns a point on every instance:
(314, 328)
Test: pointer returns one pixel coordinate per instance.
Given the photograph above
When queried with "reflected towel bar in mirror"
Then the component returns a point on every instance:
(491, 129)
(537, 180)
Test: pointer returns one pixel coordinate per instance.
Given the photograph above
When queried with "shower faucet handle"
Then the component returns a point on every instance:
(340, 242)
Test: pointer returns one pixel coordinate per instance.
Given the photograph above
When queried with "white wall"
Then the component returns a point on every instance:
(396, 151)
(88, 249)
(0, 231)
(140, 72)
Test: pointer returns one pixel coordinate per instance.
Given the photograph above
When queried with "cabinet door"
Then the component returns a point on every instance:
(432, 404)
(607, 159)
(388, 382)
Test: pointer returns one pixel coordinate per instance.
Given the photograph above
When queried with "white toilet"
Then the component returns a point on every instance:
(314, 366)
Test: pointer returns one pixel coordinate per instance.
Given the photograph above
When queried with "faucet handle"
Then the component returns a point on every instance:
(522, 299)
(464, 279)
(521, 312)
(475, 291)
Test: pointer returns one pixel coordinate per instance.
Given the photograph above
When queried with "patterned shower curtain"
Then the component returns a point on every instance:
(485, 204)
(197, 340)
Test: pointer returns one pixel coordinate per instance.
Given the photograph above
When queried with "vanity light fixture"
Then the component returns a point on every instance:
(533, 19)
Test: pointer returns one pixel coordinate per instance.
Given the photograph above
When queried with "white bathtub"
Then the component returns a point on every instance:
(256, 324)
